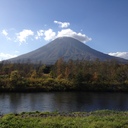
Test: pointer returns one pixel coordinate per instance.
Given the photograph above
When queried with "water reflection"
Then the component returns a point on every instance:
(62, 101)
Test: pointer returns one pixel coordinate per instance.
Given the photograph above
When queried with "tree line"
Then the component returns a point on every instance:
(71, 75)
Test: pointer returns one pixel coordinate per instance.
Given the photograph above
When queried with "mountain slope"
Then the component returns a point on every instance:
(65, 47)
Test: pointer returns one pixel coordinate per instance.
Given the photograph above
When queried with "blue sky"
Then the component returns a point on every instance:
(26, 25)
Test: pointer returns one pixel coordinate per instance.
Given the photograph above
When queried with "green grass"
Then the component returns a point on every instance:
(96, 119)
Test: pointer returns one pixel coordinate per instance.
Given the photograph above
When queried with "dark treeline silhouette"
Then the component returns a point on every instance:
(71, 75)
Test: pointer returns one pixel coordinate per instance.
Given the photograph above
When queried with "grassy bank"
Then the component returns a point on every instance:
(96, 119)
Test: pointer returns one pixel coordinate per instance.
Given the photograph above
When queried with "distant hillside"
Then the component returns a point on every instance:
(66, 48)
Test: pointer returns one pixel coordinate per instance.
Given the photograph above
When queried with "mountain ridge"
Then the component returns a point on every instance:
(66, 48)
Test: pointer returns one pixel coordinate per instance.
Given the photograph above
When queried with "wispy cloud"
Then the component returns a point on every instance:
(4, 56)
(70, 33)
(39, 34)
(120, 54)
(23, 35)
(62, 24)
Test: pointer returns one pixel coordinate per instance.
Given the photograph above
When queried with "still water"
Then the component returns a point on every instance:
(62, 101)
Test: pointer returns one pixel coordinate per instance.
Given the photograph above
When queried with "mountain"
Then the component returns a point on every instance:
(66, 48)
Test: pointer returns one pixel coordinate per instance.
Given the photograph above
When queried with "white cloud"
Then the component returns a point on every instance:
(4, 56)
(49, 35)
(4, 32)
(46, 34)
(40, 33)
(22, 36)
(70, 33)
(120, 54)
(62, 24)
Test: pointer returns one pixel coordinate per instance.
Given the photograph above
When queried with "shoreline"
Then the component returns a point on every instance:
(103, 112)
(94, 119)
(81, 88)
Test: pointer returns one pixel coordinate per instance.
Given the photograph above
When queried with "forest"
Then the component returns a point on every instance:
(64, 76)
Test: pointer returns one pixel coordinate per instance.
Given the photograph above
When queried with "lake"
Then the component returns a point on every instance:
(62, 101)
